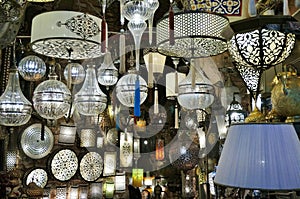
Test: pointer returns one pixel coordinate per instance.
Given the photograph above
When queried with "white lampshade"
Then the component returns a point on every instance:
(120, 182)
(263, 156)
(67, 134)
(171, 91)
(156, 61)
(57, 33)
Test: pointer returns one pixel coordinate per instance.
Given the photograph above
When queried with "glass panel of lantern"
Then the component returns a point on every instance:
(67, 134)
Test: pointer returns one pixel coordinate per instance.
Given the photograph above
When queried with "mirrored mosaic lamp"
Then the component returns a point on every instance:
(55, 33)
(195, 91)
(32, 68)
(107, 72)
(196, 34)
(52, 98)
(90, 100)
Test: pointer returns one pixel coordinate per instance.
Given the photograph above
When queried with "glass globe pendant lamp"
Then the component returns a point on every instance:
(107, 73)
(125, 89)
(32, 68)
(195, 91)
(15, 109)
(153, 5)
(90, 100)
(52, 98)
(74, 73)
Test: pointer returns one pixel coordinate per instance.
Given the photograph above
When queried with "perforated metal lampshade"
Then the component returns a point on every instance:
(196, 34)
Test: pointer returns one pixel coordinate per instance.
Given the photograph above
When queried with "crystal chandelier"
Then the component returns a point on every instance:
(52, 98)
(15, 109)
(125, 89)
(107, 72)
(195, 91)
(90, 100)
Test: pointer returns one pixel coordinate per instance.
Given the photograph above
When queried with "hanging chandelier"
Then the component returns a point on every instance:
(52, 98)
(57, 33)
(15, 109)
(195, 34)
(261, 42)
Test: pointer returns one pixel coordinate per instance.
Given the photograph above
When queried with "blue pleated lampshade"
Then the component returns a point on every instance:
(260, 156)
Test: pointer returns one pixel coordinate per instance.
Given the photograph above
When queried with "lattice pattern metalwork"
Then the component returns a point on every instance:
(64, 164)
(11, 160)
(91, 166)
(38, 176)
(88, 138)
(249, 75)
(83, 25)
(261, 48)
(197, 34)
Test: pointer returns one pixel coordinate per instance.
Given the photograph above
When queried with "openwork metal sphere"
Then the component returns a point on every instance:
(32, 68)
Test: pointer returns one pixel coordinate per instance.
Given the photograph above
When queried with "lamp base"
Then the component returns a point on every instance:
(255, 116)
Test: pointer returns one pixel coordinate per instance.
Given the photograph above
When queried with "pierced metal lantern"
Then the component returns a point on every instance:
(196, 34)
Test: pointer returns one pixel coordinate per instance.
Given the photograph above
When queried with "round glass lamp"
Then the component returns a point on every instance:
(75, 72)
(125, 89)
(52, 98)
(195, 91)
(90, 100)
(15, 109)
(107, 73)
(32, 68)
